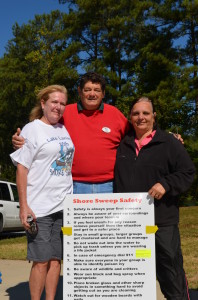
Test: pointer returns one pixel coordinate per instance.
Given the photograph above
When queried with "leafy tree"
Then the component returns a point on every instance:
(134, 44)
(182, 19)
(36, 57)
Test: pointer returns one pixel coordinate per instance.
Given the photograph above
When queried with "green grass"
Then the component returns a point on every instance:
(15, 248)
(189, 240)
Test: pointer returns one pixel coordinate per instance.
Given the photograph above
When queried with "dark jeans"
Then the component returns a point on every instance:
(169, 264)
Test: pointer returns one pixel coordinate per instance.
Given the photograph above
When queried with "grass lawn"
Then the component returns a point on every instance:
(15, 248)
(189, 240)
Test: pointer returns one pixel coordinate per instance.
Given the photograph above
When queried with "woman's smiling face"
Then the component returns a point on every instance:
(142, 117)
(53, 108)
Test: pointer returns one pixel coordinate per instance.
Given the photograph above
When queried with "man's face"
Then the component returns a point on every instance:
(91, 95)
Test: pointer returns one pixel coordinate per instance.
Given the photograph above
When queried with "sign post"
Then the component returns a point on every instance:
(109, 247)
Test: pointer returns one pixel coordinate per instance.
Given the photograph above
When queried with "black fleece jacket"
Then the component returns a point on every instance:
(162, 160)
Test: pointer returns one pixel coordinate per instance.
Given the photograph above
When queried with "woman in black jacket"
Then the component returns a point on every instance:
(151, 160)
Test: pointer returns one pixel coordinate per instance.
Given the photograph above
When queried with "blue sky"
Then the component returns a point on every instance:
(21, 11)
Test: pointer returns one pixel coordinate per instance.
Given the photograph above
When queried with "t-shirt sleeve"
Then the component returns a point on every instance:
(25, 155)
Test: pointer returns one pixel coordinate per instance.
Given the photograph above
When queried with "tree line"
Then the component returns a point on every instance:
(141, 47)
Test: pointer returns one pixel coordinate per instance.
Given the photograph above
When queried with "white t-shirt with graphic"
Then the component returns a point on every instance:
(47, 154)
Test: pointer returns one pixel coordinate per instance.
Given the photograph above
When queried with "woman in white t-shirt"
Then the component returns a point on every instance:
(43, 180)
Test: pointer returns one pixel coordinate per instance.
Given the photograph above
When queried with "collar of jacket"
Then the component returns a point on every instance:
(80, 106)
(159, 137)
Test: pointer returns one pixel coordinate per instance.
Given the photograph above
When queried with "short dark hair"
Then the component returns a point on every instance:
(94, 78)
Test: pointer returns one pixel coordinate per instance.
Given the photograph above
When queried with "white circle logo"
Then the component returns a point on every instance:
(106, 129)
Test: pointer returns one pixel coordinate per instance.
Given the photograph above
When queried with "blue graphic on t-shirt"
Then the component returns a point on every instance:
(63, 164)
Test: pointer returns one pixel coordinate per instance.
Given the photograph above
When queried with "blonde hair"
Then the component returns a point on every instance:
(43, 94)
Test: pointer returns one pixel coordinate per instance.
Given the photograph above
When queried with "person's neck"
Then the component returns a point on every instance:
(140, 135)
(90, 108)
(45, 120)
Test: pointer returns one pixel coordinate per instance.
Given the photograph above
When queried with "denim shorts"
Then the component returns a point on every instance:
(47, 244)
(92, 188)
